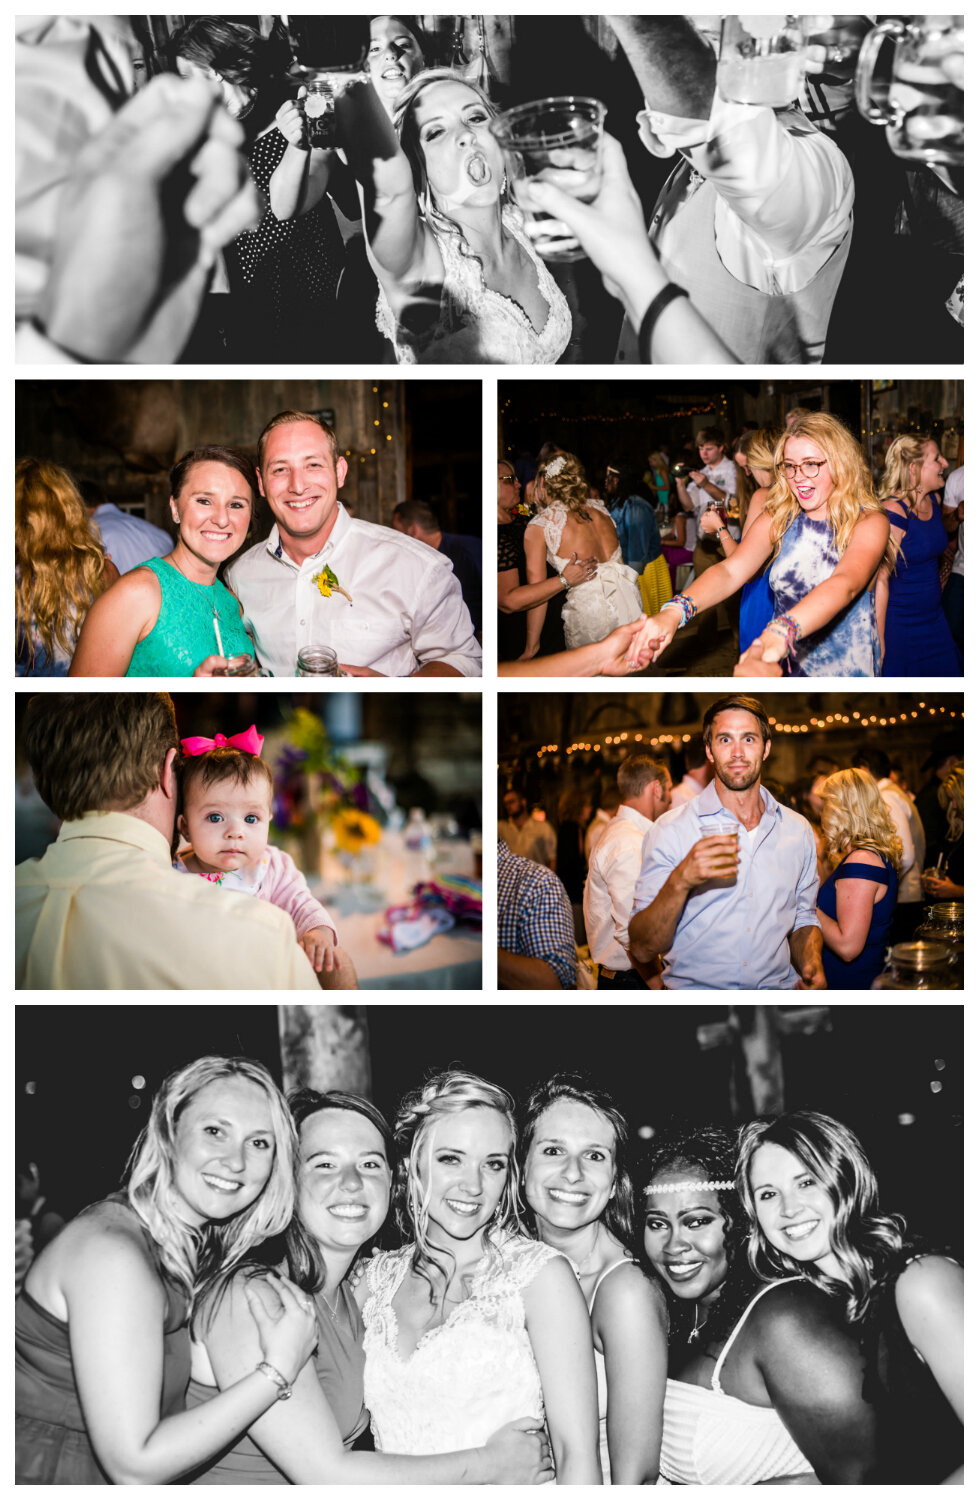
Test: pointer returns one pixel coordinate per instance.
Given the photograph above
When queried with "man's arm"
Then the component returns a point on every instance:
(441, 628)
(806, 948)
(517, 971)
(673, 64)
(653, 929)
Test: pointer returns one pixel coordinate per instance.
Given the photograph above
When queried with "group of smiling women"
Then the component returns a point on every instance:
(221, 1319)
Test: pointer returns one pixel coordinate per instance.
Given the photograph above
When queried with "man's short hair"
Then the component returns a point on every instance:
(638, 770)
(284, 418)
(94, 752)
(737, 703)
(417, 513)
(709, 435)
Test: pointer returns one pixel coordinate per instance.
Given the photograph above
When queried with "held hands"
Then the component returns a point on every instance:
(318, 945)
(773, 645)
(653, 634)
(287, 1337)
(753, 663)
(519, 1453)
(621, 654)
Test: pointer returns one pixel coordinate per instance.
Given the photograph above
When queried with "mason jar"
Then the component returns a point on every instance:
(919, 966)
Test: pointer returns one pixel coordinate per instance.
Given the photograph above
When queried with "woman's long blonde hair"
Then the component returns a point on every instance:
(197, 1260)
(853, 494)
(567, 486)
(854, 815)
(904, 457)
(60, 566)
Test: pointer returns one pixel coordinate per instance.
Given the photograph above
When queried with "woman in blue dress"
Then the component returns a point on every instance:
(917, 638)
(856, 903)
(754, 455)
(827, 534)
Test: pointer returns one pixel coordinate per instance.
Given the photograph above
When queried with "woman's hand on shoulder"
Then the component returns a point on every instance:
(287, 1333)
(930, 1297)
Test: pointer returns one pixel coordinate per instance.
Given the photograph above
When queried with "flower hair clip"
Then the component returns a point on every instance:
(691, 1187)
(555, 466)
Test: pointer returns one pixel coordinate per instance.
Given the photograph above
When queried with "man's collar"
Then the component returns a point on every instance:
(633, 815)
(120, 828)
(709, 803)
(338, 531)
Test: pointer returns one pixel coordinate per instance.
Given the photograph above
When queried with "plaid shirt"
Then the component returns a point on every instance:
(535, 914)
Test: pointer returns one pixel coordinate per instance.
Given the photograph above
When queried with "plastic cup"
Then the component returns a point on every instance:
(556, 140)
(762, 60)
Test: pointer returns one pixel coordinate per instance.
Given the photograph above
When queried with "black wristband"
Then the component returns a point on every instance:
(652, 316)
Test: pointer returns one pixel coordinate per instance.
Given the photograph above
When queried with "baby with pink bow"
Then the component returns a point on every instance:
(226, 798)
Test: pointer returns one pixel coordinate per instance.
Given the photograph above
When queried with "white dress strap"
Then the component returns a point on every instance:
(626, 1260)
(715, 1379)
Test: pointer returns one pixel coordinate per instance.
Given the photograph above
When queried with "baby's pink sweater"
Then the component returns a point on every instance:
(285, 886)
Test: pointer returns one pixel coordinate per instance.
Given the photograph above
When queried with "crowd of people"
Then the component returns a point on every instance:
(725, 879)
(324, 591)
(405, 221)
(812, 569)
(727, 1310)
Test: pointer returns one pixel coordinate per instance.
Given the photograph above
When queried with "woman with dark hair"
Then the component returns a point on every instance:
(632, 506)
(764, 1381)
(171, 616)
(283, 276)
(102, 1336)
(574, 814)
(473, 1323)
(460, 281)
(572, 1148)
(322, 1436)
(395, 53)
(812, 1200)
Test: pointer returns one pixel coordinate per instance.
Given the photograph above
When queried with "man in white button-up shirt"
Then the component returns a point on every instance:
(645, 786)
(386, 604)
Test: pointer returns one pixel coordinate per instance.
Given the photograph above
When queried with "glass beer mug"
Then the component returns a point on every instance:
(922, 105)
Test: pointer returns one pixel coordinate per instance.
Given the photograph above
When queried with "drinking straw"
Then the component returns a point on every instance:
(217, 634)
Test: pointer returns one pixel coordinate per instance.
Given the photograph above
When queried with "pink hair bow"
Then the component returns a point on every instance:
(249, 740)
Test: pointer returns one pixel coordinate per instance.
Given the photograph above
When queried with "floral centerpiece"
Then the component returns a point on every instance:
(321, 798)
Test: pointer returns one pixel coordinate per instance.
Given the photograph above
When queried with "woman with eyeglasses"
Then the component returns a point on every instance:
(827, 535)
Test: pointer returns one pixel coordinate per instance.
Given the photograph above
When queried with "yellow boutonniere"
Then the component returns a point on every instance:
(326, 581)
(522, 510)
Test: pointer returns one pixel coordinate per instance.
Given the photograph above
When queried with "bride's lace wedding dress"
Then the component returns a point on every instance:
(465, 1378)
(593, 609)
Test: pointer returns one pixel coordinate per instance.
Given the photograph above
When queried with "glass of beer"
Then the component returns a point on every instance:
(920, 98)
(556, 140)
(762, 60)
(728, 827)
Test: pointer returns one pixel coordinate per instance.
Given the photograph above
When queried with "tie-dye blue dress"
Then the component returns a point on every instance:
(849, 645)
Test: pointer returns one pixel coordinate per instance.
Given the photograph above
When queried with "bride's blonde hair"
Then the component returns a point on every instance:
(564, 482)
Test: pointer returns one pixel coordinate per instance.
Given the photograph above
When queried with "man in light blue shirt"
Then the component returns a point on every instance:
(129, 540)
(726, 919)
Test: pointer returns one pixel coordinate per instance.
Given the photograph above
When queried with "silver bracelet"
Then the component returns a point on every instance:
(277, 1379)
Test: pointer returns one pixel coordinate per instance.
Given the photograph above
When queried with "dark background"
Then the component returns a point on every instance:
(78, 1112)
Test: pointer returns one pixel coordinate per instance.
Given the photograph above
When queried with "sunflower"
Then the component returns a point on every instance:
(354, 830)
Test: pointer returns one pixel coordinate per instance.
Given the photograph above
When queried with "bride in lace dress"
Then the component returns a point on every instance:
(569, 524)
(472, 1324)
(460, 282)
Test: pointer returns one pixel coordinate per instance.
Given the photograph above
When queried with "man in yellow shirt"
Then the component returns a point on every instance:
(103, 908)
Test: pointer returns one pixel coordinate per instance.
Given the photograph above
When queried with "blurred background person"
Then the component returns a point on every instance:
(917, 638)
(856, 904)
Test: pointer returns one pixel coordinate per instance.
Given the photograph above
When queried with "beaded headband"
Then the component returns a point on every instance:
(555, 466)
(683, 1187)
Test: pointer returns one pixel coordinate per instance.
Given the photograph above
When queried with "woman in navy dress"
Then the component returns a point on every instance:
(917, 638)
(856, 903)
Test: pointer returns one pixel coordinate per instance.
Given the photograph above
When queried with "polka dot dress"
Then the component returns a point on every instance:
(286, 273)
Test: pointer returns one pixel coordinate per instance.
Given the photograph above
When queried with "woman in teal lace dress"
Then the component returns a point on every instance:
(170, 616)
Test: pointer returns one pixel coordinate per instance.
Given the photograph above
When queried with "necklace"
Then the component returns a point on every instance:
(214, 607)
(694, 1333)
(336, 1302)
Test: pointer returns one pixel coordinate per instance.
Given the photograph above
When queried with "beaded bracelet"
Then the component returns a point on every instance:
(788, 627)
(685, 605)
